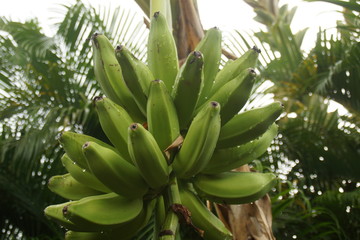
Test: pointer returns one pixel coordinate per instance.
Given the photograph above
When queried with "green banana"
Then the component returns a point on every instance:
(234, 94)
(108, 210)
(114, 172)
(233, 69)
(147, 156)
(230, 158)
(73, 143)
(114, 121)
(109, 74)
(199, 142)
(137, 83)
(55, 213)
(161, 115)
(67, 187)
(73, 235)
(161, 52)
(84, 177)
(248, 125)
(234, 187)
(203, 218)
(124, 231)
(187, 87)
(210, 47)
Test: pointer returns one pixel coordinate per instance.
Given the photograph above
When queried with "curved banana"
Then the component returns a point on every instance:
(114, 172)
(77, 235)
(231, 70)
(84, 177)
(148, 157)
(248, 125)
(109, 74)
(55, 213)
(210, 47)
(234, 187)
(137, 83)
(123, 231)
(161, 115)
(203, 218)
(234, 94)
(67, 187)
(199, 142)
(161, 52)
(230, 158)
(187, 87)
(73, 143)
(108, 210)
(114, 121)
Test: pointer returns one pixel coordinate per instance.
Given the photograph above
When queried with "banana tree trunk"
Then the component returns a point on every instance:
(246, 221)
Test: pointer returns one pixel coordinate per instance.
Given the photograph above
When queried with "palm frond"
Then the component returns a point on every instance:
(47, 84)
(351, 5)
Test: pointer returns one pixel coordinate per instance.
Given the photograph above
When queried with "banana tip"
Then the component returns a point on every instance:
(86, 145)
(197, 54)
(256, 49)
(65, 210)
(97, 98)
(214, 104)
(156, 14)
(133, 126)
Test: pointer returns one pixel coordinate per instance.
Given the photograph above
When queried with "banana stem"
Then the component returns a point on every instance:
(172, 200)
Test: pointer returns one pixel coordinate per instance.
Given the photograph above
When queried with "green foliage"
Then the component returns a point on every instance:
(46, 87)
(316, 150)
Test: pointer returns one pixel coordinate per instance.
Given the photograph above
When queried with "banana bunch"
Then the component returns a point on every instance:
(175, 135)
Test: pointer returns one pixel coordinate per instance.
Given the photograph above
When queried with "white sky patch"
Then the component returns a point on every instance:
(225, 14)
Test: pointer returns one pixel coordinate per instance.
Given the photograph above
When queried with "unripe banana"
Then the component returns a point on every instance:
(234, 94)
(84, 177)
(73, 235)
(230, 158)
(188, 85)
(162, 53)
(55, 213)
(147, 156)
(234, 187)
(114, 121)
(108, 73)
(233, 69)
(203, 218)
(248, 125)
(137, 82)
(161, 115)
(210, 47)
(72, 144)
(199, 142)
(108, 210)
(124, 231)
(67, 187)
(114, 172)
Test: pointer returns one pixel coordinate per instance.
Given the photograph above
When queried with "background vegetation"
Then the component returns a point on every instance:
(47, 83)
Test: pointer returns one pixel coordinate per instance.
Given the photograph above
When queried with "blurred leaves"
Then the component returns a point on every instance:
(317, 150)
(46, 87)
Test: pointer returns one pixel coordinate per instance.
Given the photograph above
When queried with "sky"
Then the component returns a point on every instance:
(225, 14)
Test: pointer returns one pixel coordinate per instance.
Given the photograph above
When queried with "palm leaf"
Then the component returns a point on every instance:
(351, 5)
(47, 84)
